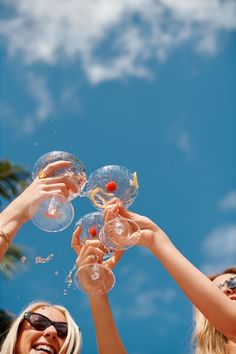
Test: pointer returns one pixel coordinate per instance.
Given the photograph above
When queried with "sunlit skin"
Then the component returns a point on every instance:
(29, 338)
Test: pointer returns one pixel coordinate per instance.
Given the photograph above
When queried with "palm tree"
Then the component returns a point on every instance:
(6, 319)
(13, 179)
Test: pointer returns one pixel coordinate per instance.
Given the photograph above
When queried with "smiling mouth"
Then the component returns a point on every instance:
(233, 298)
(45, 349)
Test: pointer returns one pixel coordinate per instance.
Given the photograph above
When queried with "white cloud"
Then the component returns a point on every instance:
(38, 89)
(113, 39)
(220, 248)
(148, 298)
(149, 303)
(183, 142)
(41, 110)
(228, 202)
(181, 138)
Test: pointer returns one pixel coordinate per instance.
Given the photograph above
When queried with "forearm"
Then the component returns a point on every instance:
(10, 222)
(214, 305)
(108, 338)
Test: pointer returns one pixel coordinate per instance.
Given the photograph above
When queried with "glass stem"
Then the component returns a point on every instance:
(52, 208)
(95, 272)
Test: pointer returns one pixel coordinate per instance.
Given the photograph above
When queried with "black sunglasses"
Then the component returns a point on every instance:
(230, 283)
(40, 323)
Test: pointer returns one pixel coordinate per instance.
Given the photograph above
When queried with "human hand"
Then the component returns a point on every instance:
(149, 231)
(28, 202)
(93, 252)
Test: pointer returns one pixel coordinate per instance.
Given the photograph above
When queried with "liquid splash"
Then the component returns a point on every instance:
(69, 279)
(39, 259)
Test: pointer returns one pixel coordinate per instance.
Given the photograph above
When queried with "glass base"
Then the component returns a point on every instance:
(120, 234)
(94, 279)
(53, 215)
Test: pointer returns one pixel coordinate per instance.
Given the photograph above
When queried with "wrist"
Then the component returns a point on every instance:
(14, 212)
(97, 299)
(156, 240)
(10, 222)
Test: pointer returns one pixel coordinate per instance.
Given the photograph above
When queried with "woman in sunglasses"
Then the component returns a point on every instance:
(43, 328)
(216, 313)
(207, 338)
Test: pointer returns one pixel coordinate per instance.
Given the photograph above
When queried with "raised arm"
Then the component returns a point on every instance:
(18, 212)
(206, 296)
(108, 338)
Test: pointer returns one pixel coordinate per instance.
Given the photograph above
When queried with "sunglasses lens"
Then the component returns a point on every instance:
(61, 329)
(38, 322)
(231, 284)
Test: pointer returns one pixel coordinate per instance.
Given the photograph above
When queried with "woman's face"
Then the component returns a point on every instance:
(32, 341)
(231, 293)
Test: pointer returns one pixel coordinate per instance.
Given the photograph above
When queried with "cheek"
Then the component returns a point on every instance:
(23, 344)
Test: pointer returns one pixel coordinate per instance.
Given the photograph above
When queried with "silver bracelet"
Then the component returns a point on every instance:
(5, 238)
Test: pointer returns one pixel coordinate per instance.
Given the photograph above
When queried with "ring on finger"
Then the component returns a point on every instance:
(42, 174)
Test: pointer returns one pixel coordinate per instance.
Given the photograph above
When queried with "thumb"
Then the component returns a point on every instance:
(75, 241)
(123, 211)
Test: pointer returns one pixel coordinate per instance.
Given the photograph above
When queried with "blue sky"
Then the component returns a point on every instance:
(149, 85)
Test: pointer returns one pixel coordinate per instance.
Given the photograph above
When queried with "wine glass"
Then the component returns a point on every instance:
(56, 213)
(119, 234)
(94, 278)
(112, 181)
(118, 182)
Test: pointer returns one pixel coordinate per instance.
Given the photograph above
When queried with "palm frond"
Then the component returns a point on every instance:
(6, 320)
(11, 261)
(13, 179)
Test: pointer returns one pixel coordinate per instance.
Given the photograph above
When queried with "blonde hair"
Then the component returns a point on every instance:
(207, 339)
(73, 341)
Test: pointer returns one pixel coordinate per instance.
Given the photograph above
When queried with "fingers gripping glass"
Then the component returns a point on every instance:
(230, 283)
(40, 323)
(55, 213)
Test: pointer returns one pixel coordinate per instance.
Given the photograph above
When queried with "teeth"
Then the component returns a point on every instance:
(45, 348)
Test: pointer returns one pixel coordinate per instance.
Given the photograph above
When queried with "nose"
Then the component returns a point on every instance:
(50, 332)
(228, 291)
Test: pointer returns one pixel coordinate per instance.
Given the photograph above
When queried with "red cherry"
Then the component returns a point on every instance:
(93, 231)
(50, 216)
(111, 186)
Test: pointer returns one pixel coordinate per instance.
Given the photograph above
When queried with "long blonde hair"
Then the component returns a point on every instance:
(207, 339)
(73, 341)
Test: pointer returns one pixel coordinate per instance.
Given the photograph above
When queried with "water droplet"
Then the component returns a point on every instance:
(39, 259)
(56, 273)
(68, 279)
